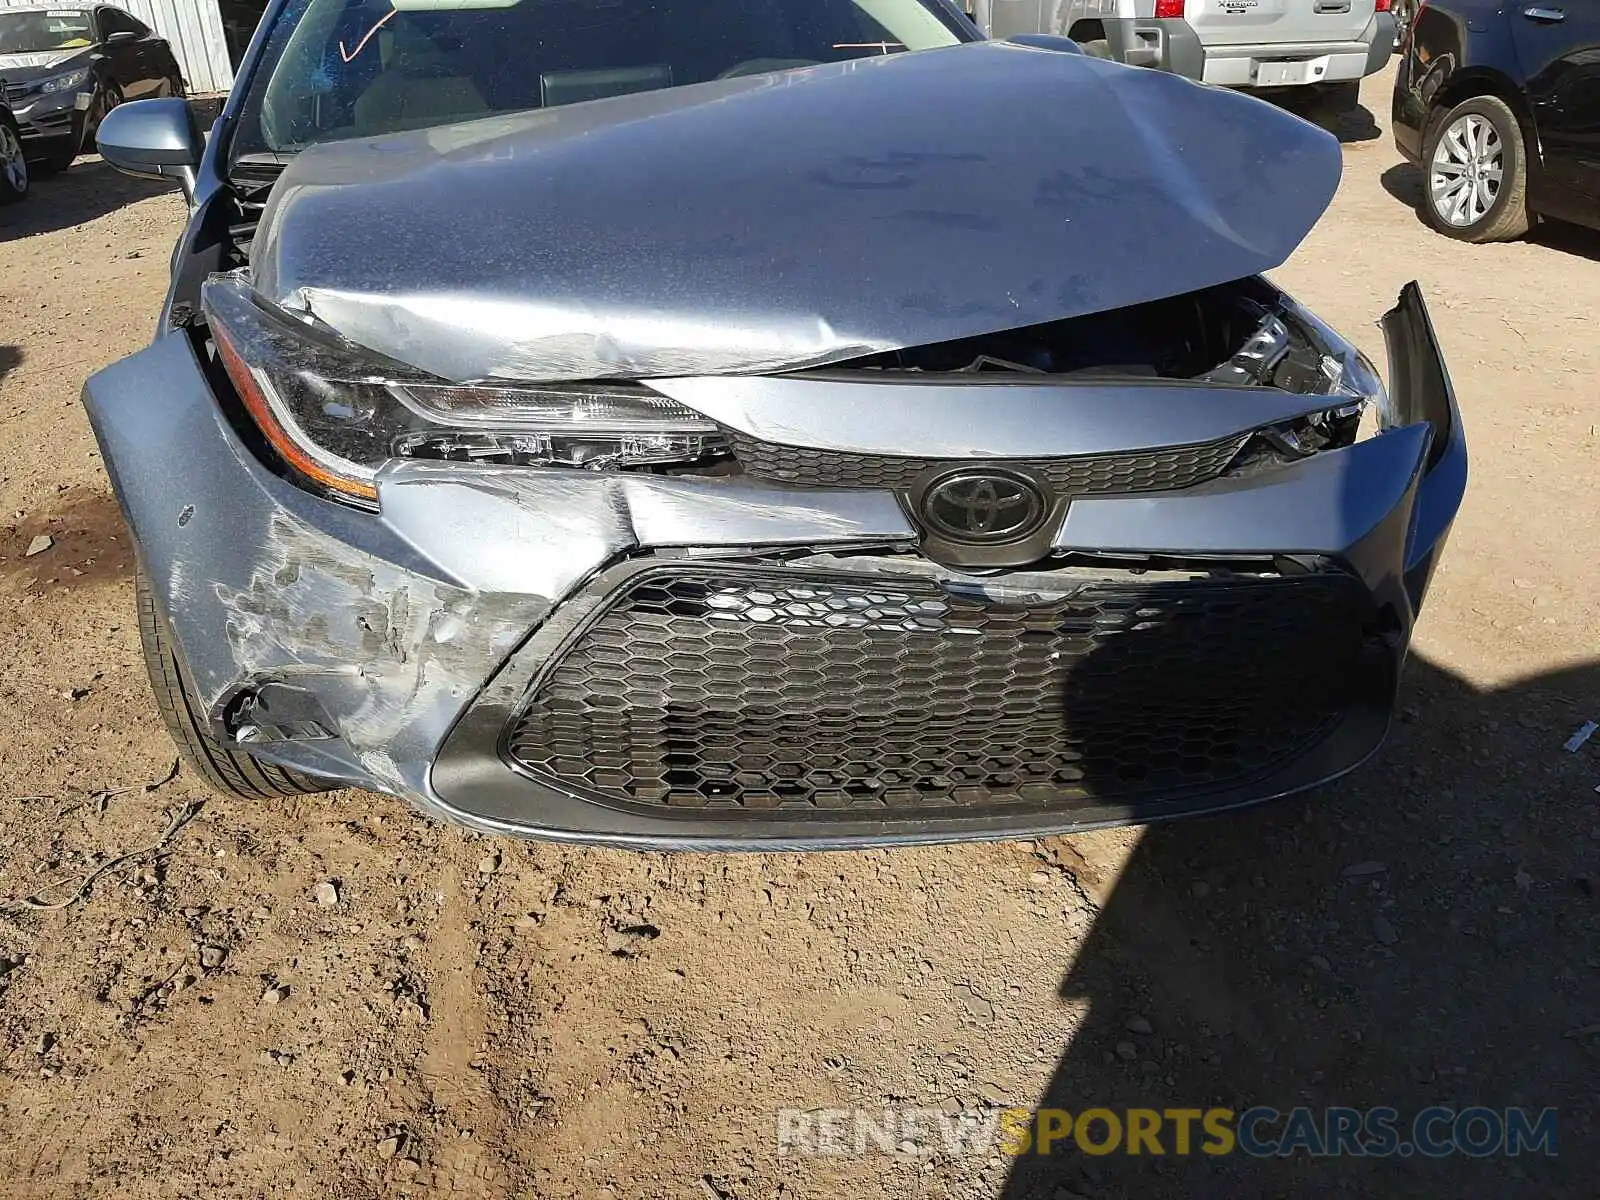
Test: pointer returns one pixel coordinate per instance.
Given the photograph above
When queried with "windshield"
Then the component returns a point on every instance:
(353, 68)
(42, 32)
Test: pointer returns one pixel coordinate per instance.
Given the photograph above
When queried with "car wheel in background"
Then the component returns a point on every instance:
(107, 98)
(13, 163)
(1475, 173)
(228, 772)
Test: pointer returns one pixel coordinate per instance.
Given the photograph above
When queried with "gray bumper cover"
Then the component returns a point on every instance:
(397, 624)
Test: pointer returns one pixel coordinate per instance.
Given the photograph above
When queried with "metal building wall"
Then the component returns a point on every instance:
(194, 27)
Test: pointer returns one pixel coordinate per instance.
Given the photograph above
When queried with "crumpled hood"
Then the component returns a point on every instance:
(25, 68)
(782, 221)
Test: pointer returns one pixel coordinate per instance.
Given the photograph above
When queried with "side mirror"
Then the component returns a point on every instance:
(121, 35)
(154, 139)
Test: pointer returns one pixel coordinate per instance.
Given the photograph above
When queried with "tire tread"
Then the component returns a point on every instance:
(229, 772)
(1511, 219)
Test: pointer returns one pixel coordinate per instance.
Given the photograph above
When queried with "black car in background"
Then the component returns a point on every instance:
(64, 68)
(13, 159)
(1500, 107)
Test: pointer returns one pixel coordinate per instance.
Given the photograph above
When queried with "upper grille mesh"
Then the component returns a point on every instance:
(1084, 475)
(788, 690)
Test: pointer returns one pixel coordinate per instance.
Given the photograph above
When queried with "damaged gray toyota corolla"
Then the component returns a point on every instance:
(717, 430)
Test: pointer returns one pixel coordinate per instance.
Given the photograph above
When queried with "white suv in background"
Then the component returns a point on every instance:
(1326, 45)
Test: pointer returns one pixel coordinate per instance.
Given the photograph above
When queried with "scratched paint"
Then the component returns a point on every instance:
(393, 656)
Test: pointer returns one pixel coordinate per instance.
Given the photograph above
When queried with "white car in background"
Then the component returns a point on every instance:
(1327, 46)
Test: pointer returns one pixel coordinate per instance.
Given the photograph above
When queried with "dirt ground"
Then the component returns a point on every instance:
(486, 1018)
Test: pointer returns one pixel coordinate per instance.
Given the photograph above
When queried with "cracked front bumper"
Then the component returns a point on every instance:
(413, 643)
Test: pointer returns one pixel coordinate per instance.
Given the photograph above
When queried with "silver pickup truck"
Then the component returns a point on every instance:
(1326, 45)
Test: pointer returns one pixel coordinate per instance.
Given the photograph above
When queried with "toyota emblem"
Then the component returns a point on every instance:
(983, 506)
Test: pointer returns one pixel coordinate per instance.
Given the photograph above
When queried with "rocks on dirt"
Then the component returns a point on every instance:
(974, 1003)
(212, 957)
(629, 941)
(326, 893)
(39, 545)
(1127, 1051)
(1139, 1025)
(1384, 931)
(276, 994)
(489, 863)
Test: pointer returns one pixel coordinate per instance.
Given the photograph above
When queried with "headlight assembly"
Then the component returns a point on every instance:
(335, 414)
(1311, 359)
(69, 81)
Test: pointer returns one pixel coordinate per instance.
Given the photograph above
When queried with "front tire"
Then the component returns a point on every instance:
(107, 98)
(227, 772)
(13, 163)
(1475, 173)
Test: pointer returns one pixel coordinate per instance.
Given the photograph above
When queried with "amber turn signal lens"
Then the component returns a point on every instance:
(260, 410)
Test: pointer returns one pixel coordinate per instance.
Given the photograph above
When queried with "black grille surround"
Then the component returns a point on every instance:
(1169, 468)
(798, 695)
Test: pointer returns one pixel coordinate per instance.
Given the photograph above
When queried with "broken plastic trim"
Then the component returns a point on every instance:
(1420, 384)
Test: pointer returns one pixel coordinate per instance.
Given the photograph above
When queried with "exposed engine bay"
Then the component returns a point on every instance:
(1233, 333)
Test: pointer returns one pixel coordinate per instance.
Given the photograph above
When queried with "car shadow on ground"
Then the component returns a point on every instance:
(1570, 239)
(1426, 932)
(1352, 127)
(1404, 181)
(90, 188)
(10, 359)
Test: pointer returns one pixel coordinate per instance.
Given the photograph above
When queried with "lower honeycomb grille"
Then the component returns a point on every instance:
(781, 690)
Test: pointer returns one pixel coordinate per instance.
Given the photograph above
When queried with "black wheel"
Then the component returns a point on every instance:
(1475, 173)
(13, 163)
(228, 772)
(107, 98)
